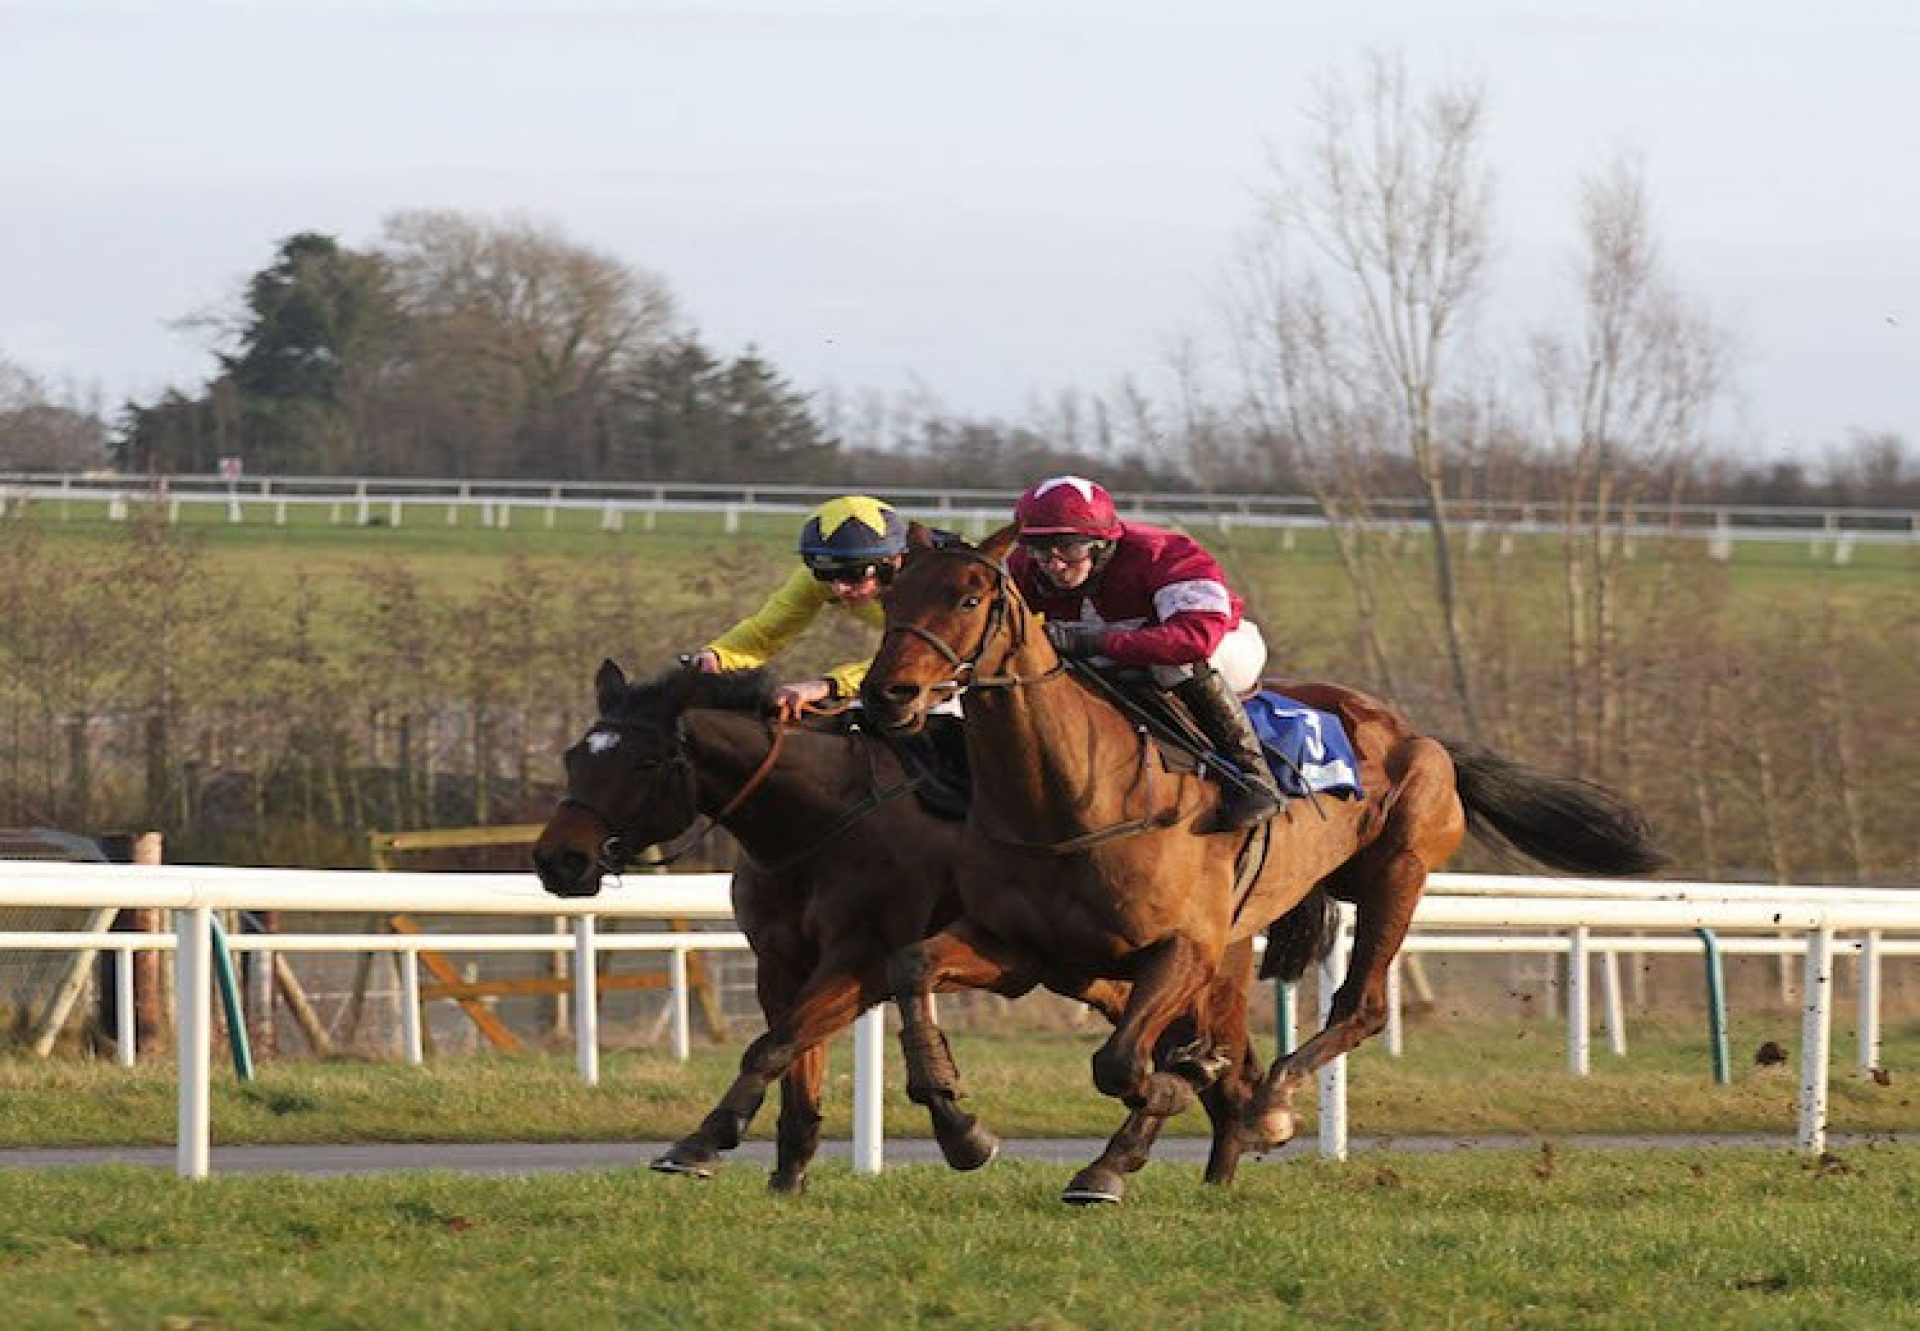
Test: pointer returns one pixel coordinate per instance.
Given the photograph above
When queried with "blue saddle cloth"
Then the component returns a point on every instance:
(1318, 754)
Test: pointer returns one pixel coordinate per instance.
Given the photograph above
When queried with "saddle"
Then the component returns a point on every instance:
(1307, 750)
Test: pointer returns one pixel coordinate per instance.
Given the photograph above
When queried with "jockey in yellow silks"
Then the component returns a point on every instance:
(849, 549)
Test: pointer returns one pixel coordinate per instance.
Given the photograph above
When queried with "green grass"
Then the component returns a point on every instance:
(1550, 1237)
(1502, 1239)
(1494, 1078)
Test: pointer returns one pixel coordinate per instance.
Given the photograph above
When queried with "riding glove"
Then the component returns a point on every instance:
(1077, 639)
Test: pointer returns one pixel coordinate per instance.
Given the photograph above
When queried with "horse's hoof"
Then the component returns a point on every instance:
(1094, 1186)
(787, 1184)
(1269, 1131)
(971, 1149)
(672, 1164)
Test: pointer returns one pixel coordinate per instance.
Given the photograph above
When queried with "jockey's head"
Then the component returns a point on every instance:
(1067, 526)
(853, 544)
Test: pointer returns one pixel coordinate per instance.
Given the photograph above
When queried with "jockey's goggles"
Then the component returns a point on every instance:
(850, 572)
(1061, 549)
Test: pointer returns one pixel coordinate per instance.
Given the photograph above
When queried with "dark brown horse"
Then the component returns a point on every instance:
(844, 869)
(1088, 863)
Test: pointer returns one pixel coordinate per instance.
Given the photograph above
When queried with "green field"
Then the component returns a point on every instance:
(1719, 1238)
(1554, 1235)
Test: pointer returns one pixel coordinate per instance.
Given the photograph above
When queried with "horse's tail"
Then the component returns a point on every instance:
(1301, 938)
(1561, 821)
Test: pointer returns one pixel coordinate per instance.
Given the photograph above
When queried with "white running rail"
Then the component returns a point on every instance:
(1460, 913)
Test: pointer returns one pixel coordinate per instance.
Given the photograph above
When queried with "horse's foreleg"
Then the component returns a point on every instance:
(1227, 1096)
(798, 1020)
(1385, 898)
(1171, 1091)
(797, 1138)
(1169, 981)
(961, 956)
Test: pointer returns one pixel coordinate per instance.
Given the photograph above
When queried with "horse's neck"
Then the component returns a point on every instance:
(727, 750)
(1052, 752)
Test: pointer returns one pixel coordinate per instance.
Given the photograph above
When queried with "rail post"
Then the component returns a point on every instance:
(682, 1015)
(1615, 1009)
(869, 1069)
(412, 1047)
(1333, 1077)
(193, 933)
(1579, 1009)
(1816, 1034)
(1716, 1007)
(586, 1000)
(237, 1043)
(1870, 1001)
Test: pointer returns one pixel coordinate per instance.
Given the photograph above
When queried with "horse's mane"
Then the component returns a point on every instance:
(735, 690)
(675, 688)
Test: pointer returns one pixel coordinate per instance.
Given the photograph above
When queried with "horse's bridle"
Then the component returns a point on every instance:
(965, 677)
(613, 856)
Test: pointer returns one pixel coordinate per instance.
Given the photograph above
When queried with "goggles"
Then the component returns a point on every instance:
(1061, 549)
(850, 572)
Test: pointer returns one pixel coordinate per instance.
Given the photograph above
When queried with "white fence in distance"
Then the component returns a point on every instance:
(1831, 532)
(1458, 913)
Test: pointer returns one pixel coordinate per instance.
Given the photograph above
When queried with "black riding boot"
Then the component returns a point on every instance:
(1257, 798)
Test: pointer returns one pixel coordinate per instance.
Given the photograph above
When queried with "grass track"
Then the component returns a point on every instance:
(1602, 1239)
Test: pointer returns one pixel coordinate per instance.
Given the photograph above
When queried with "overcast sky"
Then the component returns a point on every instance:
(988, 199)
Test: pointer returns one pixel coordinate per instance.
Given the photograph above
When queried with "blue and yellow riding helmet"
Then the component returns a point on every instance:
(849, 538)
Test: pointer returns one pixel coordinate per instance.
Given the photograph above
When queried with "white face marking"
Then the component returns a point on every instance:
(599, 741)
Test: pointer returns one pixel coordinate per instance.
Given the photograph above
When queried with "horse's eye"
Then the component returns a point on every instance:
(970, 603)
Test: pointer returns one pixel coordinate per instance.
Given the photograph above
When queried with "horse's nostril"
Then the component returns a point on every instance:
(900, 693)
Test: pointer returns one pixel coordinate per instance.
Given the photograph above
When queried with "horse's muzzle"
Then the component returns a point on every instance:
(898, 709)
(567, 873)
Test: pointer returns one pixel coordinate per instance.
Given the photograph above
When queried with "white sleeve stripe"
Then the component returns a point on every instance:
(1202, 594)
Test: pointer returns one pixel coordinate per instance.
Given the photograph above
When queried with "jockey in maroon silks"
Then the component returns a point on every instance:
(1145, 597)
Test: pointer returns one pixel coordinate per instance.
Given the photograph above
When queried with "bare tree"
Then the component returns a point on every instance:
(42, 429)
(1626, 400)
(1373, 260)
(527, 327)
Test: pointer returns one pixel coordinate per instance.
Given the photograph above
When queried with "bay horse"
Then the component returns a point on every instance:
(1087, 859)
(844, 868)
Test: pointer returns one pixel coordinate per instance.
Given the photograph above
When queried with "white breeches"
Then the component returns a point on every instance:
(1240, 658)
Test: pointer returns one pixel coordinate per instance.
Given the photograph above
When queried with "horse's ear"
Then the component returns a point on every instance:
(919, 536)
(609, 682)
(999, 545)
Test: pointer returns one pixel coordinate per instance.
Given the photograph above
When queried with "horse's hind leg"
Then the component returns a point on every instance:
(1385, 889)
(961, 956)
